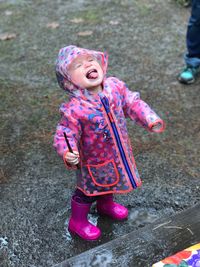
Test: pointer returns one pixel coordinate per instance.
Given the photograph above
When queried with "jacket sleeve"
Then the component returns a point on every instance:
(71, 127)
(139, 111)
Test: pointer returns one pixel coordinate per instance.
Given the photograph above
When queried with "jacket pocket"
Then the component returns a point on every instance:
(105, 174)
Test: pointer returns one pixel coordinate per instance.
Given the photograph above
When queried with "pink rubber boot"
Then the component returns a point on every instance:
(106, 206)
(79, 223)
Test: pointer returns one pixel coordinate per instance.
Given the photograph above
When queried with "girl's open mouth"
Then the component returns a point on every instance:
(92, 74)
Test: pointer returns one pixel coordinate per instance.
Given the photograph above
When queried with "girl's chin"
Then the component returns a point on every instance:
(94, 82)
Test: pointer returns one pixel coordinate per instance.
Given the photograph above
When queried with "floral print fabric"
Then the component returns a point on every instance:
(189, 257)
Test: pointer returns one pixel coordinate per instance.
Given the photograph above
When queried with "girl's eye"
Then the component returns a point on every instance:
(78, 65)
(90, 59)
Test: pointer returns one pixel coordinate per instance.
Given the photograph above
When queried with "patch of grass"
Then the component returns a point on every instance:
(143, 10)
(184, 2)
(143, 7)
(90, 15)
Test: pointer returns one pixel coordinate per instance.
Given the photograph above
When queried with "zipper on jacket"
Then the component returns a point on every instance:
(105, 103)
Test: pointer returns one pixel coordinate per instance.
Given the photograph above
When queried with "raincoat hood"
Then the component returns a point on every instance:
(65, 57)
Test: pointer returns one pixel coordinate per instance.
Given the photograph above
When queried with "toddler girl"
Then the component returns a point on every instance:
(92, 136)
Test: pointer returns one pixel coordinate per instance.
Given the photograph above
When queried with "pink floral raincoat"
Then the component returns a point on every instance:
(95, 125)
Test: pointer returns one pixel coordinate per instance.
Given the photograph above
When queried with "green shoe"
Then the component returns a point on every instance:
(188, 75)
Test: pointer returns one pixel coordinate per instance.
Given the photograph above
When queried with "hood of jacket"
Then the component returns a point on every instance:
(65, 57)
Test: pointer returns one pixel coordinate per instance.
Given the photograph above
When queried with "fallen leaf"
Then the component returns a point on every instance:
(53, 25)
(7, 36)
(86, 33)
(77, 20)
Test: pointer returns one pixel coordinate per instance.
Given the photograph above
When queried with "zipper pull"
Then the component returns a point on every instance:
(110, 116)
(106, 103)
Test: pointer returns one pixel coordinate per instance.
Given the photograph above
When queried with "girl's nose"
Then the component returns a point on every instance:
(87, 64)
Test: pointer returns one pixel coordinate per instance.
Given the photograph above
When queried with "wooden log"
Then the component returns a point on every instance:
(145, 246)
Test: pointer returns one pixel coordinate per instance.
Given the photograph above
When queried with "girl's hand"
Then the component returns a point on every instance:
(72, 158)
(158, 127)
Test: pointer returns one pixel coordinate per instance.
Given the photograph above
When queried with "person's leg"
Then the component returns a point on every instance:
(192, 57)
(82, 198)
(78, 223)
(106, 206)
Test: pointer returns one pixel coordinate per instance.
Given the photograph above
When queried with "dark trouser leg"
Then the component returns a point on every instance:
(80, 197)
(193, 36)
